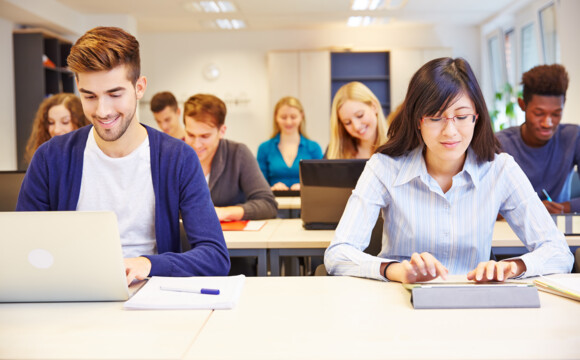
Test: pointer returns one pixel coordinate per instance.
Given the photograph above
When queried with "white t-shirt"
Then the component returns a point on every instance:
(122, 185)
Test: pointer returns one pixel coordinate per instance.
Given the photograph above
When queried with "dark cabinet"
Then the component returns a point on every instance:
(370, 68)
(35, 78)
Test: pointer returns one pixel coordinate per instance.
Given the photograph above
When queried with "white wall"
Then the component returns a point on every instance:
(568, 30)
(7, 112)
(175, 61)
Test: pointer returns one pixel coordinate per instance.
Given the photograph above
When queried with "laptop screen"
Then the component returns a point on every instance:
(325, 186)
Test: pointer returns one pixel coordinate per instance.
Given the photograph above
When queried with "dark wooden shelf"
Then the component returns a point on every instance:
(370, 68)
(33, 81)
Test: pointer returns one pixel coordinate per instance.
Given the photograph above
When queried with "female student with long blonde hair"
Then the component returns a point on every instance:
(279, 157)
(357, 123)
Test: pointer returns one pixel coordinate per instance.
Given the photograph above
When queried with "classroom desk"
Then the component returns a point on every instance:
(288, 238)
(326, 317)
(292, 240)
(504, 236)
(288, 206)
(288, 202)
(252, 243)
(350, 318)
(95, 330)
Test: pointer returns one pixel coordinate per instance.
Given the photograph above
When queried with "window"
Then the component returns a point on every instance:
(495, 62)
(529, 48)
(549, 32)
(510, 57)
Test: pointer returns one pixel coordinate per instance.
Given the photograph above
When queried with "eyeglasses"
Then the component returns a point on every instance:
(460, 121)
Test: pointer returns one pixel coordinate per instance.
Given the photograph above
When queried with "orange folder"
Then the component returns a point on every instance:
(234, 225)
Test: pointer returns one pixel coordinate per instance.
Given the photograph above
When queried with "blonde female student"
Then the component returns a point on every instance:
(280, 156)
(357, 123)
(440, 182)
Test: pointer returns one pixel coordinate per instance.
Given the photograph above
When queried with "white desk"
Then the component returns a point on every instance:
(350, 318)
(288, 238)
(323, 317)
(252, 243)
(288, 207)
(288, 202)
(291, 239)
(504, 236)
(100, 330)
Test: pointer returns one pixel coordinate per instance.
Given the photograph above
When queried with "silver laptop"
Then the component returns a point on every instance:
(61, 256)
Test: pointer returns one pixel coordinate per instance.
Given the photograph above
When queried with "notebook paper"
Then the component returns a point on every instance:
(152, 296)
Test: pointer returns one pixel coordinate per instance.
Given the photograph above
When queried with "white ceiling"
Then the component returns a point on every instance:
(169, 15)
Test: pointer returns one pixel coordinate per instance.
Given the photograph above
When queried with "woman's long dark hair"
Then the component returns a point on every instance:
(432, 89)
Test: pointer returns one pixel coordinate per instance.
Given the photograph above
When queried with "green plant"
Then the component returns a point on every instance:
(504, 107)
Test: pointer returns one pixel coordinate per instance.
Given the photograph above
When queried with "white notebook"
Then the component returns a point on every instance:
(182, 293)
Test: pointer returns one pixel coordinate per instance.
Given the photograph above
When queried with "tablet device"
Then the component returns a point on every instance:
(473, 295)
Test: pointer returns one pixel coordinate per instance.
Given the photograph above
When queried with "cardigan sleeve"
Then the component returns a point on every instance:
(209, 255)
(34, 191)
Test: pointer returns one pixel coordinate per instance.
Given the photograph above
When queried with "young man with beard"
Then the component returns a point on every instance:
(146, 177)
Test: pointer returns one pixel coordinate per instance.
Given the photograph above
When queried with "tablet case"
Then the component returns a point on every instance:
(475, 296)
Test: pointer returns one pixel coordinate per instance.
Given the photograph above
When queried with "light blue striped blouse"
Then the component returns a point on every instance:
(456, 227)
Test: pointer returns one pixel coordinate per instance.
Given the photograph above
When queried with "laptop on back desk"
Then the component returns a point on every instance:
(61, 256)
(325, 186)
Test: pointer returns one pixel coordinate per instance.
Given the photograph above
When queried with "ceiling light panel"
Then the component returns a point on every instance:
(359, 5)
(355, 21)
(226, 6)
(221, 6)
(228, 24)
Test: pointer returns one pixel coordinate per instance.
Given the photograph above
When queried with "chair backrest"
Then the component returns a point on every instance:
(10, 182)
(376, 243)
(575, 186)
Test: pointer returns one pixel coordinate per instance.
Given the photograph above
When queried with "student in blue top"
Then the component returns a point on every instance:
(279, 157)
(146, 177)
(546, 150)
(440, 183)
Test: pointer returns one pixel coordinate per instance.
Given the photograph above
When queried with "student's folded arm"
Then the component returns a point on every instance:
(527, 216)
(260, 201)
(345, 255)
(575, 205)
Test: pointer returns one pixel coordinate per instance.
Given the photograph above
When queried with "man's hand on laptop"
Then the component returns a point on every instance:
(137, 268)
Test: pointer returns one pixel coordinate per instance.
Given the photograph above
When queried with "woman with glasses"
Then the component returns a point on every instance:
(440, 182)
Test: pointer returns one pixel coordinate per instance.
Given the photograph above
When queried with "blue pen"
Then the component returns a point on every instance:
(547, 196)
(204, 291)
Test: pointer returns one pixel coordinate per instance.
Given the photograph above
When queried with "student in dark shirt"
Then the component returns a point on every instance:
(546, 150)
(238, 188)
